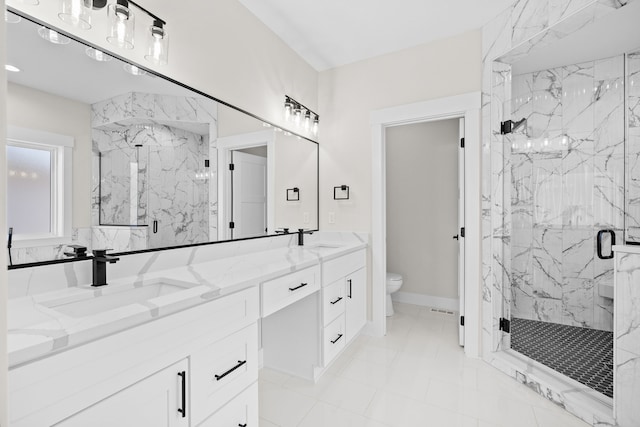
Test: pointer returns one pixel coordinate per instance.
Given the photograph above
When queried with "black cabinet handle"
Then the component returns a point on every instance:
(350, 289)
(302, 285)
(242, 425)
(183, 410)
(155, 227)
(221, 376)
(337, 339)
(336, 301)
(599, 243)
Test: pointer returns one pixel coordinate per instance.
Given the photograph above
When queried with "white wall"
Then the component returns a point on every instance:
(3, 226)
(422, 206)
(34, 109)
(348, 94)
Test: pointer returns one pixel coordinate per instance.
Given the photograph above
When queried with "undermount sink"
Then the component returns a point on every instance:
(116, 296)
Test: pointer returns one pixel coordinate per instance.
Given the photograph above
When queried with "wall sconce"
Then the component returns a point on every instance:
(293, 194)
(299, 113)
(341, 192)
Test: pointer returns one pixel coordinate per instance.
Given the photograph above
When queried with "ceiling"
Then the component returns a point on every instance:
(331, 33)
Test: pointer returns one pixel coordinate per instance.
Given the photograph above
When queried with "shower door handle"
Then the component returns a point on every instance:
(599, 239)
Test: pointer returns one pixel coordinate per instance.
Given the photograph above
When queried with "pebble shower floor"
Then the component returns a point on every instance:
(585, 355)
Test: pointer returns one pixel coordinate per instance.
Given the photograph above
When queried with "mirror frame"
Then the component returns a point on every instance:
(196, 91)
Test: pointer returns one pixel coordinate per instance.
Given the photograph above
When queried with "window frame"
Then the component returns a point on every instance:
(61, 148)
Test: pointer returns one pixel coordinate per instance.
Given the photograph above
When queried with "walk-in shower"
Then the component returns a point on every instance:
(571, 189)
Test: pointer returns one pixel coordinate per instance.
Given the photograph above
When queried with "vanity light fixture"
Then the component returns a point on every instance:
(301, 115)
(76, 13)
(53, 36)
(157, 43)
(121, 24)
(98, 55)
(12, 68)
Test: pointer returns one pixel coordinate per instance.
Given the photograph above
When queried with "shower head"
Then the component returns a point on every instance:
(511, 126)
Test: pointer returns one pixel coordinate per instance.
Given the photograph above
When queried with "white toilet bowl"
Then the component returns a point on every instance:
(394, 282)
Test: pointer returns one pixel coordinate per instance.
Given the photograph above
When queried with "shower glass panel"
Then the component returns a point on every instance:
(122, 185)
(566, 167)
(633, 148)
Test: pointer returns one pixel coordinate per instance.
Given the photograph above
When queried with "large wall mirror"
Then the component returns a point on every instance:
(163, 165)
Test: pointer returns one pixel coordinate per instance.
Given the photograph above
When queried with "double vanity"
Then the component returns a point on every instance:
(177, 336)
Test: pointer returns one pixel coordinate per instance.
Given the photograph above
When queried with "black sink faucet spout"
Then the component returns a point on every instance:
(100, 260)
(301, 233)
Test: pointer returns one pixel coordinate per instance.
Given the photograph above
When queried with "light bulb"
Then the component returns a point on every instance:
(307, 120)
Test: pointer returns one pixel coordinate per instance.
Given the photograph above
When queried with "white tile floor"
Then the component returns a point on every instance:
(415, 376)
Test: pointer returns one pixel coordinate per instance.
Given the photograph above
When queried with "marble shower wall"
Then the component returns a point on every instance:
(169, 138)
(567, 183)
(633, 147)
(627, 339)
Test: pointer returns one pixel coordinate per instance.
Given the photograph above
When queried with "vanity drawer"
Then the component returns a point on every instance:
(279, 293)
(223, 369)
(333, 301)
(334, 269)
(334, 339)
(241, 411)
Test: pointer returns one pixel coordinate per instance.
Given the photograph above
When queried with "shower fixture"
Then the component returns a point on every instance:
(511, 126)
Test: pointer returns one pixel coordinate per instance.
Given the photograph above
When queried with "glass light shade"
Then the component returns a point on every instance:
(11, 18)
(121, 25)
(297, 115)
(157, 44)
(314, 129)
(307, 120)
(98, 55)
(76, 13)
(53, 36)
(132, 69)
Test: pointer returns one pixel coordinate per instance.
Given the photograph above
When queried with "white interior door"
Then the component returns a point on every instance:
(249, 195)
(461, 289)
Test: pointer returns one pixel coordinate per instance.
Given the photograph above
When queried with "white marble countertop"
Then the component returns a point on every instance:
(36, 330)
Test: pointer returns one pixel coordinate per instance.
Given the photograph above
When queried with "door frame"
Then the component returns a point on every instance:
(225, 146)
(465, 106)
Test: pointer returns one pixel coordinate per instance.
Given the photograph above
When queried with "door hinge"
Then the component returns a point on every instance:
(461, 320)
(462, 232)
(461, 142)
(505, 325)
(231, 166)
(232, 224)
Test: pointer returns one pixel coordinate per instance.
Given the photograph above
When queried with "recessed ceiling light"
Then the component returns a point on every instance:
(11, 18)
(11, 68)
(98, 55)
(132, 69)
(53, 36)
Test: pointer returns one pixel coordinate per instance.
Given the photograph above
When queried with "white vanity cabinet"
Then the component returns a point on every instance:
(149, 375)
(302, 338)
(344, 281)
(159, 400)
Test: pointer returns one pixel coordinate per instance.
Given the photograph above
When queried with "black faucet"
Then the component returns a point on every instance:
(301, 234)
(100, 260)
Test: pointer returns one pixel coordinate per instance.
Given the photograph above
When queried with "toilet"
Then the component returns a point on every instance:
(394, 281)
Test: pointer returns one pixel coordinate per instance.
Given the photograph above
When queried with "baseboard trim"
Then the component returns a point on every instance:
(452, 304)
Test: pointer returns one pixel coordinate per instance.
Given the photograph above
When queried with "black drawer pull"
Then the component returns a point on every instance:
(337, 339)
(350, 289)
(240, 363)
(242, 425)
(302, 285)
(336, 301)
(183, 410)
